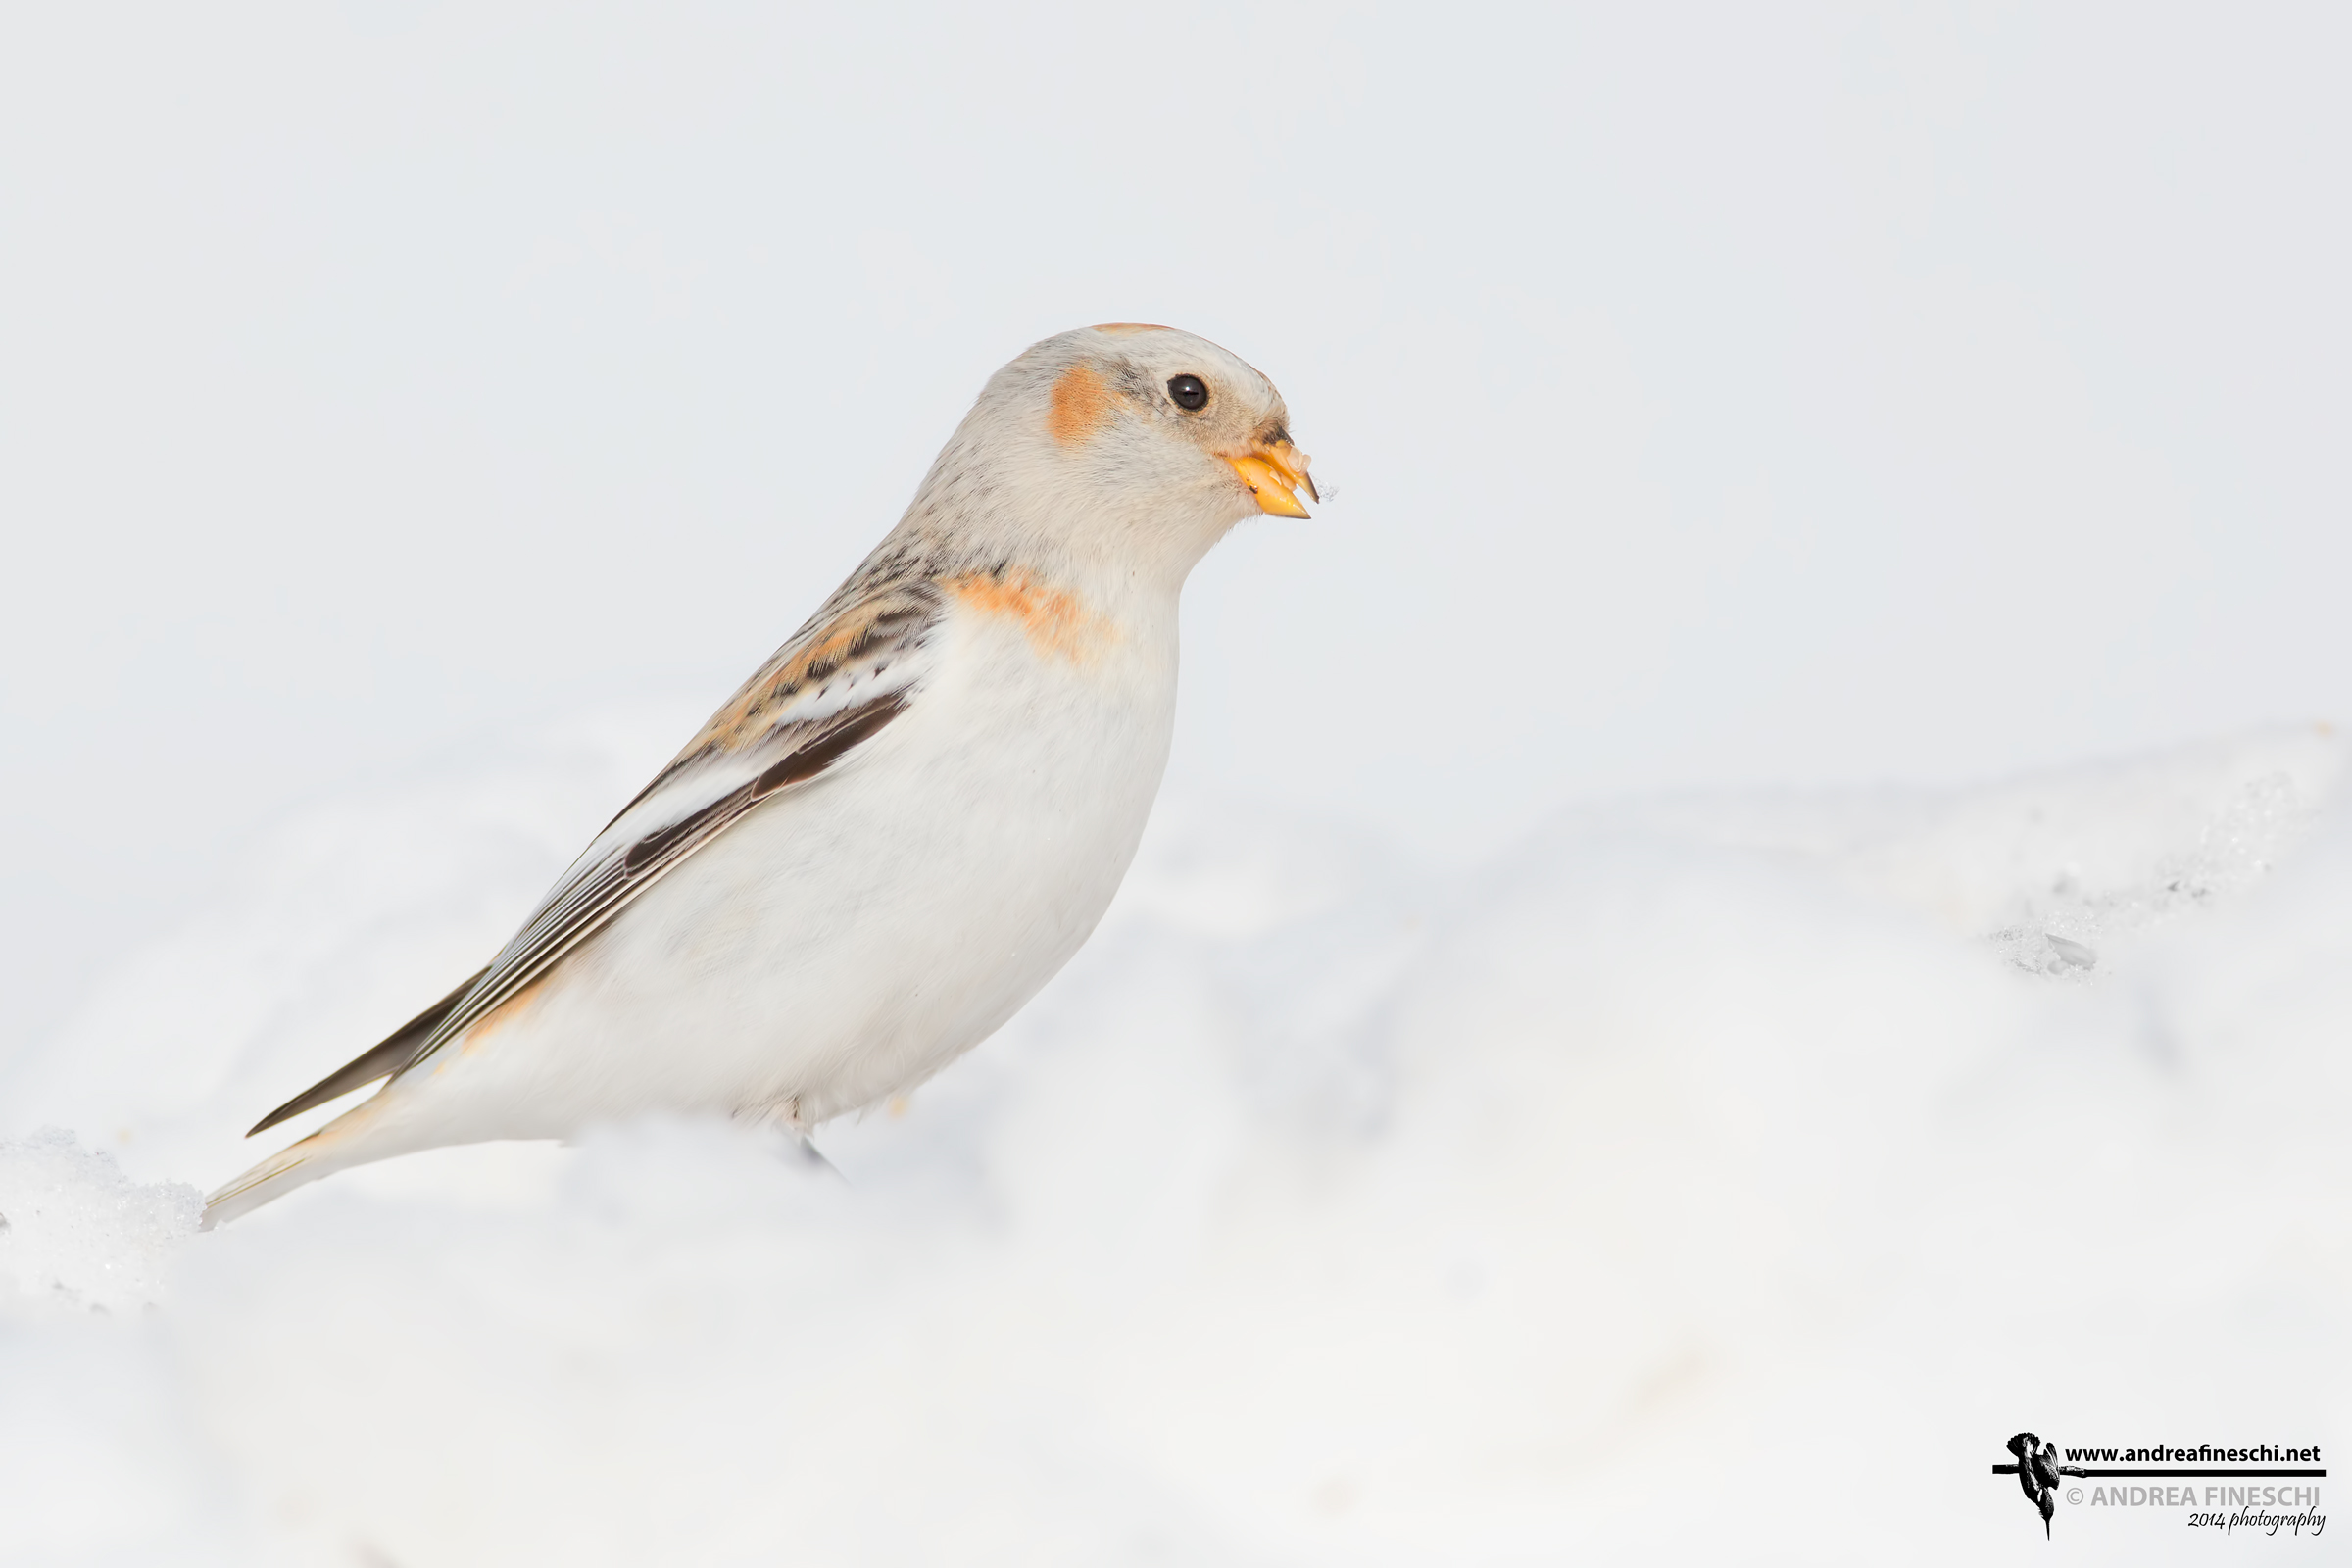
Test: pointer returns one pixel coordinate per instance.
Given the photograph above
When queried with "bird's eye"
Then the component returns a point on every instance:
(1189, 391)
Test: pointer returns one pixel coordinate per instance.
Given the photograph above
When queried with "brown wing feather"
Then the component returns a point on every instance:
(898, 613)
(870, 634)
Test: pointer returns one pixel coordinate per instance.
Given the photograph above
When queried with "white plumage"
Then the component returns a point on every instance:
(903, 825)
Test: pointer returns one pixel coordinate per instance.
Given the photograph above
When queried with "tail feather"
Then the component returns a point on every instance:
(337, 1145)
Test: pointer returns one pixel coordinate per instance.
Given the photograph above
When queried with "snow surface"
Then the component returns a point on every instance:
(1708, 1179)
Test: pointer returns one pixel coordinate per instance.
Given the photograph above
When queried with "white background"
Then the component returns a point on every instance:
(1712, 397)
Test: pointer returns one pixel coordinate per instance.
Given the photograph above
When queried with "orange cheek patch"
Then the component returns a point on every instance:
(1057, 624)
(1081, 403)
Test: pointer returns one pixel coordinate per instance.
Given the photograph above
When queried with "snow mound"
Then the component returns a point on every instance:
(1326, 1212)
(77, 1234)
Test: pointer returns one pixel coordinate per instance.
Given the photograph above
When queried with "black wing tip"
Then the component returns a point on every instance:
(381, 1062)
(383, 1059)
(285, 1112)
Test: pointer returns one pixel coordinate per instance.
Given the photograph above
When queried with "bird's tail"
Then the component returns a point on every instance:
(337, 1145)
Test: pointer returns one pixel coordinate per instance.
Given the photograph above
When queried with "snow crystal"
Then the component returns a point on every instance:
(2052, 930)
(77, 1235)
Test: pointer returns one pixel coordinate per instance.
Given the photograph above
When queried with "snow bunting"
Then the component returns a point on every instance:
(904, 824)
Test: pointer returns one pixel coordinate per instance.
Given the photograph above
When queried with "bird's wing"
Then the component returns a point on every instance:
(846, 674)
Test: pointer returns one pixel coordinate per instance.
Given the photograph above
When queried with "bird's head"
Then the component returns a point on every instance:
(1142, 441)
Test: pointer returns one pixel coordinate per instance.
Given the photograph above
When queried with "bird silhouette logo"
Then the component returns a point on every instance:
(2036, 1470)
